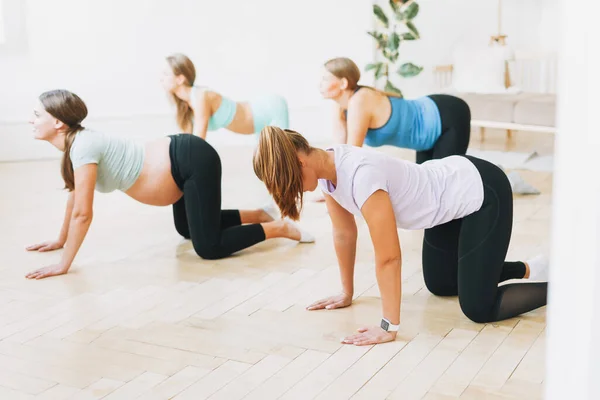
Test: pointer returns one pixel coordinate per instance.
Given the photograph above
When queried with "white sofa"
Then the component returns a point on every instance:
(525, 102)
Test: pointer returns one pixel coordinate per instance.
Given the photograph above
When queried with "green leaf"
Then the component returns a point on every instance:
(381, 71)
(409, 70)
(389, 87)
(380, 38)
(369, 67)
(388, 55)
(411, 11)
(378, 11)
(408, 36)
(412, 28)
(395, 6)
(394, 42)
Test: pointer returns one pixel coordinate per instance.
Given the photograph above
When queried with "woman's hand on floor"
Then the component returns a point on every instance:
(329, 303)
(46, 246)
(370, 335)
(52, 270)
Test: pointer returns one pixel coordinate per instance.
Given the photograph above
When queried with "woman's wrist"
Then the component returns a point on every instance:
(65, 265)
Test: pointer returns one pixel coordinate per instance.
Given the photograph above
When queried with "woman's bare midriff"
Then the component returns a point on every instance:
(242, 121)
(155, 186)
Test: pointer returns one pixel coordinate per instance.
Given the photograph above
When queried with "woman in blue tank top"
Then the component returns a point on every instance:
(436, 126)
(200, 110)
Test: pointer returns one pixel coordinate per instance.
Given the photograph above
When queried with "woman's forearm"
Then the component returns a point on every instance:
(64, 231)
(78, 228)
(345, 248)
(340, 136)
(201, 133)
(389, 279)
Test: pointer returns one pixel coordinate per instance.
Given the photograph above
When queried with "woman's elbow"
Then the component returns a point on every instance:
(390, 262)
(82, 216)
(345, 236)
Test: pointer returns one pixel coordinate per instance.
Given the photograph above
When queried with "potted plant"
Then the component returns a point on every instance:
(390, 35)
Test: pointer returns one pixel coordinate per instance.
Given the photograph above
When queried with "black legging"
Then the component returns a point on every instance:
(456, 129)
(466, 257)
(215, 233)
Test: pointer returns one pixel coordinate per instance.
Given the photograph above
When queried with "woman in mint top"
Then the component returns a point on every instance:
(436, 126)
(179, 170)
(200, 110)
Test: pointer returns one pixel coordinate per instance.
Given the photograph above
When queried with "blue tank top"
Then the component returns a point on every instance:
(413, 124)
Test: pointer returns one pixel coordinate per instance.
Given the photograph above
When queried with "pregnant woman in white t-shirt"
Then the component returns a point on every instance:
(464, 204)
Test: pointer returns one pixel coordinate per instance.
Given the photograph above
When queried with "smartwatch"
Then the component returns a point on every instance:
(386, 325)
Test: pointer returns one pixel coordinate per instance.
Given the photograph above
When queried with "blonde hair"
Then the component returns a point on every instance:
(68, 108)
(182, 65)
(277, 165)
(345, 68)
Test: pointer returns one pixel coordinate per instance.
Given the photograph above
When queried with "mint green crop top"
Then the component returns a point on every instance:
(224, 114)
(120, 160)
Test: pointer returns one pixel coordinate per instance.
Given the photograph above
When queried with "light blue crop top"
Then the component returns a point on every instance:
(413, 124)
(119, 160)
(224, 114)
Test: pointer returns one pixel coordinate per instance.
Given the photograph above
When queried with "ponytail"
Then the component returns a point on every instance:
(66, 167)
(185, 115)
(276, 164)
(181, 65)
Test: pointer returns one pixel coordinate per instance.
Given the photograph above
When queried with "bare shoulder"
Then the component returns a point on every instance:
(363, 98)
(198, 93)
(200, 96)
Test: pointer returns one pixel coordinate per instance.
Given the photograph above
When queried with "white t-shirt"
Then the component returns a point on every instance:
(422, 195)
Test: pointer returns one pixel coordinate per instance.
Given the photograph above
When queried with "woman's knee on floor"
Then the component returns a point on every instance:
(182, 228)
(477, 311)
(438, 286)
(209, 251)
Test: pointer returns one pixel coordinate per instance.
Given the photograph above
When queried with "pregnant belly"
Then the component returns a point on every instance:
(155, 185)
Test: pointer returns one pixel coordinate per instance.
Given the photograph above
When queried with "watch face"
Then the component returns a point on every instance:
(385, 325)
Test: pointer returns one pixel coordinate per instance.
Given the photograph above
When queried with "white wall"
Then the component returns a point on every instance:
(110, 52)
(573, 348)
(2, 34)
(531, 25)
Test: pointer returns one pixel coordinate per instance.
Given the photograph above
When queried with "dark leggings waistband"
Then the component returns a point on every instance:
(173, 152)
(192, 155)
(492, 176)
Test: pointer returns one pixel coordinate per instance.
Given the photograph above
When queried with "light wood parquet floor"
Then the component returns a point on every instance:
(141, 316)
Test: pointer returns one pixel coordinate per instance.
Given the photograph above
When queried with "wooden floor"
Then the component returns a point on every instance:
(141, 316)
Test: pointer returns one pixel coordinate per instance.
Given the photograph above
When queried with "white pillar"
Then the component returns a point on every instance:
(573, 332)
